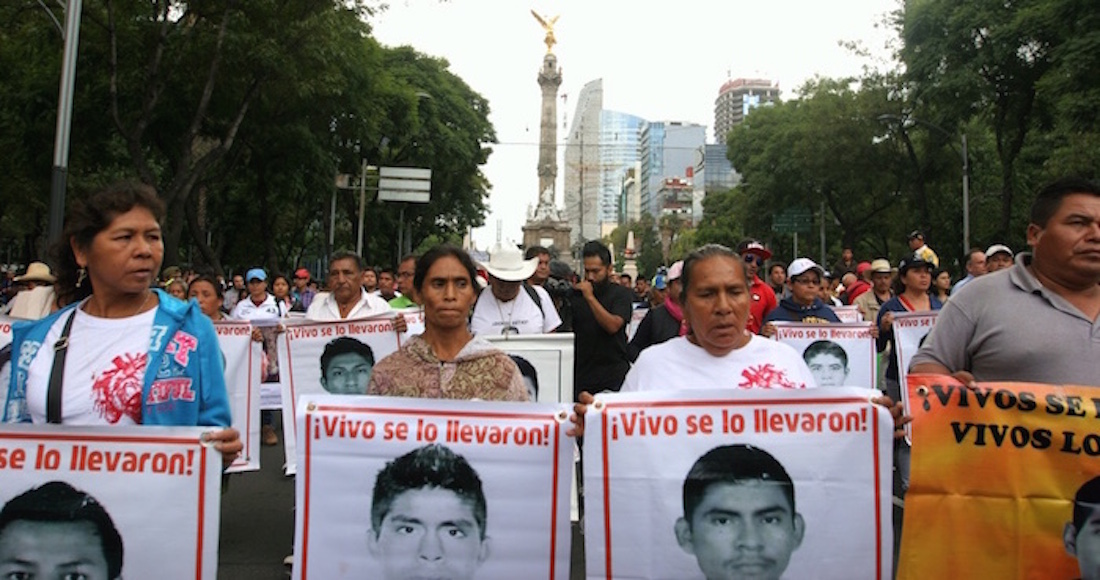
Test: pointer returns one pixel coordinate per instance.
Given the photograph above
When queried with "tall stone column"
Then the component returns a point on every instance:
(549, 81)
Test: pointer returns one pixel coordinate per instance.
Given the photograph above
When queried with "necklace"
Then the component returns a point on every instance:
(509, 328)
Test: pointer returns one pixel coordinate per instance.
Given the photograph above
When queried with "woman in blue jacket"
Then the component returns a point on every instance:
(120, 353)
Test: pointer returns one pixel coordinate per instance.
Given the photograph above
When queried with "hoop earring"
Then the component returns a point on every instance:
(80, 275)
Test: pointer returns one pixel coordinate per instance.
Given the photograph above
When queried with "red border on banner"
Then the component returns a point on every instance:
(186, 441)
(290, 381)
(741, 403)
(306, 470)
(305, 508)
(247, 435)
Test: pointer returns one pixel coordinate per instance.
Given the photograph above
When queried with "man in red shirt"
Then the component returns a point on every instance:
(861, 285)
(763, 298)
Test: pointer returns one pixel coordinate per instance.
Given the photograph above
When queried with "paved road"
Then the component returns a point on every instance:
(257, 524)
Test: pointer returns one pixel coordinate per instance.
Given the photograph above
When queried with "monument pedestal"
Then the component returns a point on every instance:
(535, 233)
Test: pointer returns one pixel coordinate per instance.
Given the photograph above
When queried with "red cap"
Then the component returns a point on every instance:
(863, 267)
(301, 273)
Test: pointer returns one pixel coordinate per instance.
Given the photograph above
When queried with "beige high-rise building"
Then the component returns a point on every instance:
(736, 98)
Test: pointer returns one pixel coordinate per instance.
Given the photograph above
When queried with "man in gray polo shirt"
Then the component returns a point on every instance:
(1038, 320)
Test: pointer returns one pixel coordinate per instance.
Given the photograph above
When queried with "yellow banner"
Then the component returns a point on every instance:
(994, 476)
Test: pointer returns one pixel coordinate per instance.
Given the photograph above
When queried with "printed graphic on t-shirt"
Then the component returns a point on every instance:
(117, 392)
(766, 376)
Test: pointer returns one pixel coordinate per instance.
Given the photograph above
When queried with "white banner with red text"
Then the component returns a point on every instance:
(243, 367)
(837, 354)
(115, 502)
(725, 484)
(329, 357)
(394, 487)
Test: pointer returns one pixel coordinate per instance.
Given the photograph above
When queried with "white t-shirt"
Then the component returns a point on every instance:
(678, 364)
(491, 316)
(324, 307)
(104, 370)
(269, 309)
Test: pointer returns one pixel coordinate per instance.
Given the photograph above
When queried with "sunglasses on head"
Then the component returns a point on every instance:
(753, 258)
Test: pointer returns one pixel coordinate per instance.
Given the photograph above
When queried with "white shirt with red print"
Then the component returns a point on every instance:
(679, 364)
(104, 370)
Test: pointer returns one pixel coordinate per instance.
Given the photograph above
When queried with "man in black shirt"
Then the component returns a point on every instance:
(601, 310)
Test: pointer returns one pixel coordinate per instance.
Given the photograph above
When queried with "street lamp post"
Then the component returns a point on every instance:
(965, 168)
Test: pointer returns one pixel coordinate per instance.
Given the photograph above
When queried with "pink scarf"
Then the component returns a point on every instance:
(677, 314)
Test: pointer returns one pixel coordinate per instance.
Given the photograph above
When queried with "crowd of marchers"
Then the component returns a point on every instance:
(1014, 316)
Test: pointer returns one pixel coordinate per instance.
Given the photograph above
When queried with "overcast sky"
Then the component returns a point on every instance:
(659, 60)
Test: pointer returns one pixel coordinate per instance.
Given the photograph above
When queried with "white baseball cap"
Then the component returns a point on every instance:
(802, 265)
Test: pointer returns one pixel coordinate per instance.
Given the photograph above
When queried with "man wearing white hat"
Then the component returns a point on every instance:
(511, 306)
(998, 257)
(37, 297)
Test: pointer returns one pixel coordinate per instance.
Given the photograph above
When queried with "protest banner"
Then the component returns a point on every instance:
(827, 514)
(837, 354)
(847, 313)
(551, 355)
(5, 352)
(243, 367)
(637, 315)
(147, 497)
(395, 488)
(910, 330)
(414, 319)
(5, 330)
(271, 388)
(329, 357)
(994, 474)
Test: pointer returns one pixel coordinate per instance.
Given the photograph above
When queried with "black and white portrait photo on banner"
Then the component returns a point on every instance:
(270, 379)
(910, 331)
(750, 484)
(243, 368)
(117, 502)
(329, 357)
(546, 361)
(396, 488)
(838, 354)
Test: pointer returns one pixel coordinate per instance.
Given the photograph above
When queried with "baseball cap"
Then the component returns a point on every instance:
(301, 273)
(912, 262)
(676, 270)
(255, 274)
(997, 249)
(880, 266)
(802, 265)
(755, 247)
(863, 267)
(916, 234)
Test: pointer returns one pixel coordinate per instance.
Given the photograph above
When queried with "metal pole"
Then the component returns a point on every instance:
(966, 197)
(401, 231)
(823, 235)
(60, 170)
(362, 207)
(332, 224)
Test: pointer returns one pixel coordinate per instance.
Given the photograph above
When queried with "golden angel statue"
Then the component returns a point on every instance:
(547, 24)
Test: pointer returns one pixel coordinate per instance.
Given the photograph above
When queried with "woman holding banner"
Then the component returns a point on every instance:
(910, 295)
(152, 361)
(446, 361)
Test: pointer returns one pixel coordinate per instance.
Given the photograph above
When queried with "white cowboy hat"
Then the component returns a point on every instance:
(506, 263)
(37, 272)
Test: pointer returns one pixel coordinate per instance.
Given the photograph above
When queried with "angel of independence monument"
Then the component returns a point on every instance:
(545, 226)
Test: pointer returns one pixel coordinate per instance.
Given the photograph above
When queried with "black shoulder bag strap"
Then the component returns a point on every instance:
(534, 296)
(57, 373)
